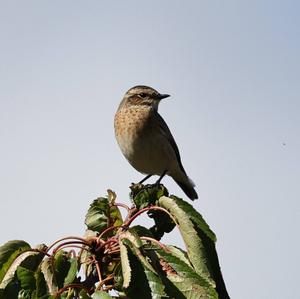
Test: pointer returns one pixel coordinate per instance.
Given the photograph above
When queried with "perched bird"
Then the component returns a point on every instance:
(145, 139)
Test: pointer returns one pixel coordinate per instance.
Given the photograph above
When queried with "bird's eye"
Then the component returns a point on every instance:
(142, 95)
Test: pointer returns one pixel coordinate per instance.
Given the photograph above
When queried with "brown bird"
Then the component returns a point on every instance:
(145, 139)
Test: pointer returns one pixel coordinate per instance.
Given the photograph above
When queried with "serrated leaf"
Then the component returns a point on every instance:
(126, 270)
(101, 295)
(12, 254)
(195, 216)
(199, 241)
(102, 214)
(145, 282)
(184, 277)
(194, 244)
(179, 253)
(47, 268)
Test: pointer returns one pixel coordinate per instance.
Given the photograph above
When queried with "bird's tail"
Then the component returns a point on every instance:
(187, 186)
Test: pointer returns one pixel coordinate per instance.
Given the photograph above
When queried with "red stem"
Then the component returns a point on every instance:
(66, 238)
(67, 243)
(98, 270)
(106, 231)
(72, 246)
(148, 209)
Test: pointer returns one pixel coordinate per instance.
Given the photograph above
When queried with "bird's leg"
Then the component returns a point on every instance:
(161, 177)
(145, 178)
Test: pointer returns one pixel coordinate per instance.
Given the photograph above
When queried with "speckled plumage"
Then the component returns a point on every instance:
(145, 139)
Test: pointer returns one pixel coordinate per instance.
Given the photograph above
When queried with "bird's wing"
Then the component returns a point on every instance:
(168, 135)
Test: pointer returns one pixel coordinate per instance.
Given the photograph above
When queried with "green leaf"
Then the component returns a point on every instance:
(101, 295)
(96, 218)
(125, 263)
(179, 253)
(141, 231)
(34, 259)
(12, 254)
(72, 271)
(41, 291)
(47, 268)
(199, 241)
(62, 267)
(144, 196)
(195, 216)
(102, 214)
(184, 277)
(184, 214)
(26, 278)
(143, 281)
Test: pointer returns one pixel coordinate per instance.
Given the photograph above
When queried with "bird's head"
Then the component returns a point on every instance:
(144, 96)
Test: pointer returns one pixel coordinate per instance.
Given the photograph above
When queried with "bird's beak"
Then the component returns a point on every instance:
(162, 96)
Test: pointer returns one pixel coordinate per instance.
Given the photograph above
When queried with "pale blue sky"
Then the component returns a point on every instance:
(232, 68)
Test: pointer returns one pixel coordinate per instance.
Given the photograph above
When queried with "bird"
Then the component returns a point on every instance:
(146, 140)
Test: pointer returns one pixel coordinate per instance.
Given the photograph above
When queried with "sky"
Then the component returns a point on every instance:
(232, 70)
